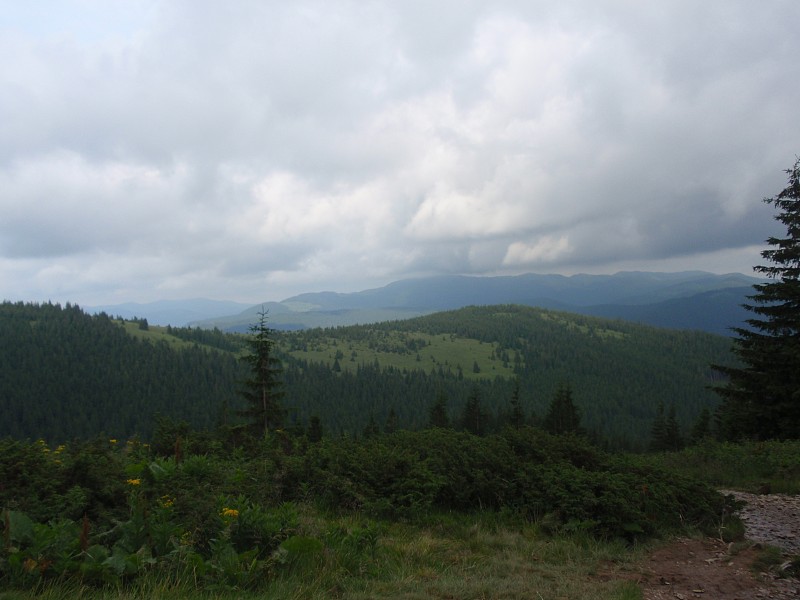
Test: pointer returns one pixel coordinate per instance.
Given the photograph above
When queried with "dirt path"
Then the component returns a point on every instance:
(714, 570)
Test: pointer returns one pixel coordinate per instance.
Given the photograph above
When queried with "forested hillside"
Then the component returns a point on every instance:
(66, 374)
(619, 372)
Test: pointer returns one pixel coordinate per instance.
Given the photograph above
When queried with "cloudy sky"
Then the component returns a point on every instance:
(251, 150)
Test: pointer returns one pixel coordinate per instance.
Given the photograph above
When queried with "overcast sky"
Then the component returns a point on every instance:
(252, 150)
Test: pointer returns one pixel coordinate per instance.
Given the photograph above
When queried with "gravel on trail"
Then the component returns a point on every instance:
(772, 519)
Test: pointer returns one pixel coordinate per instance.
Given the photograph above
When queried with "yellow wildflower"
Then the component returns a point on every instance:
(112, 441)
(166, 501)
(230, 512)
(29, 565)
(134, 482)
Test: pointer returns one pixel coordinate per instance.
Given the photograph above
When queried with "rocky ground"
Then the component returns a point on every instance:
(772, 519)
(713, 569)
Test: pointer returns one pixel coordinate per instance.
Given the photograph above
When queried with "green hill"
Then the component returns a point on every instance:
(66, 374)
(619, 371)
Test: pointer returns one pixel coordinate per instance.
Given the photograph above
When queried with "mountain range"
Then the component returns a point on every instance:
(684, 300)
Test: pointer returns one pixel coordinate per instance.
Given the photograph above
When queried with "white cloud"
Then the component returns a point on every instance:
(257, 149)
(545, 250)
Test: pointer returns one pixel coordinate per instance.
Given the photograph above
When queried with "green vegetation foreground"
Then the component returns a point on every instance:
(341, 516)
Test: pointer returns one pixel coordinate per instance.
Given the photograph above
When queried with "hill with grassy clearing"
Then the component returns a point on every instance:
(68, 374)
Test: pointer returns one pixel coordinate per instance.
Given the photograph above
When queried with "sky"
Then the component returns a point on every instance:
(253, 150)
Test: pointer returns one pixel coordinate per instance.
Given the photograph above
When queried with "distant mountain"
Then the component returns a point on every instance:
(170, 312)
(716, 311)
(447, 292)
(686, 300)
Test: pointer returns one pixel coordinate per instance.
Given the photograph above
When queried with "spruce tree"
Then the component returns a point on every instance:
(701, 428)
(438, 413)
(517, 417)
(762, 398)
(314, 429)
(562, 415)
(658, 432)
(372, 429)
(673, 438)
(391, 422)
(262, 390)
(474, 418)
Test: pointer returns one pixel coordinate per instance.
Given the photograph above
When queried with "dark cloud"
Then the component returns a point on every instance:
(257, 149)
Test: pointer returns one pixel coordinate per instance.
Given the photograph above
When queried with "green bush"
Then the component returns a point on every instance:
(105, 513)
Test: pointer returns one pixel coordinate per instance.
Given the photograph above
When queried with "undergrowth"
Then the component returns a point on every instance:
(410, 515)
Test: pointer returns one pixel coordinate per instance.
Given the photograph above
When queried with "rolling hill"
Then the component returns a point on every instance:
(66, 373)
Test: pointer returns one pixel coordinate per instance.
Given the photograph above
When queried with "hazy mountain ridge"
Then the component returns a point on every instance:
(687, 300)
(170, 312)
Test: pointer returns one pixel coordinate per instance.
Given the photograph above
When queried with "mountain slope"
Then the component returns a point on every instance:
(677, 300)
(64, 373)
(619, 371)
(447, 292)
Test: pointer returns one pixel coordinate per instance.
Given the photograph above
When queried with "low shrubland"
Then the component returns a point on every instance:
(224, 513)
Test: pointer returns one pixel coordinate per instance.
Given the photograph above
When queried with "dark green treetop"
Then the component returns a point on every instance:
(517, 416)
(701, 428)
(562, 415)
(762, 399)
(658, 431)
(474, 418)
(438, 412)
(262, 390)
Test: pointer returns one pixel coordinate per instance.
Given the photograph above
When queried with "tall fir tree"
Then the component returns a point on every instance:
(438, 412)
(391, 422)
(762, 398)
(658, 432)
(701, 429)
(562, 415)
(315, 431)
(517, 415)
(371, 429)
(673, 437)
(474, 418)
(262, 390)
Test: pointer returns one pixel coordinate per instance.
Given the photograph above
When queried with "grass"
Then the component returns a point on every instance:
(447, 352)
(393, 350)
(154, 334)
(751, 466)
(465, 557)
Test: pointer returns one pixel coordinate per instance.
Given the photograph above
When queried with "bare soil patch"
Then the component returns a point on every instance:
(713, 569)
